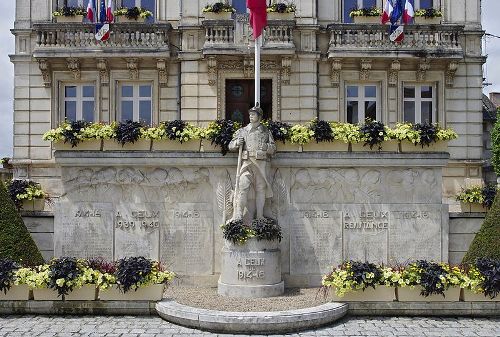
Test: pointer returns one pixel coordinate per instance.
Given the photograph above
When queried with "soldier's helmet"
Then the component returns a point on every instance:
(257, 110)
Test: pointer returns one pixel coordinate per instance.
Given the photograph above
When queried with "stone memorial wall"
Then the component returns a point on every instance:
(332, 207)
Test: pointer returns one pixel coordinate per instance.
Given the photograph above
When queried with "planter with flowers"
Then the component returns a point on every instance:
(78, 135)
(27, 195)
(323, 138)
(129, 136)
(477, 198)
(10, 289)
(281, 11)
(6, 163)
(375, 137)
(175, 136)
(217, 136)
(218, 11)
(281, 132)
(358, 281)
(428, 16)
(366, 15)
(423, 137)
(482, 281)
(69, 14)
(134, 279)
(132, 15)
(429, 282)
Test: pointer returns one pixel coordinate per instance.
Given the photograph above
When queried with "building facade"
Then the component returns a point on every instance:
(181, 65)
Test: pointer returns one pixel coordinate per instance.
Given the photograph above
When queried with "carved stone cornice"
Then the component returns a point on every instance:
(102, 65)
(44, 66)
(74, 66)
(162, 66)
(451, 70)
(286, 70)
(335, 74)
(133, 67)
(365, 68)
(423, 67)
(212, 70)
(394, 73)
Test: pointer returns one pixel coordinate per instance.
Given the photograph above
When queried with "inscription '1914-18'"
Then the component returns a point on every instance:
(251, 269)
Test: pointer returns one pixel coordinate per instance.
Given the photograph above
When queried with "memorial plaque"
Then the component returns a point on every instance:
(315, 239)
(83, 230)
(187, 239)
(365, 232)
(137, 229)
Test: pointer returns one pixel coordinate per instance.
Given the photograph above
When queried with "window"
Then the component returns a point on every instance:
(423, 4)
(240, 6)
(362, 101)
(150, 5)
(74, 3)
(349, 5)
(419, 103)
(136, 102)
(79, 102)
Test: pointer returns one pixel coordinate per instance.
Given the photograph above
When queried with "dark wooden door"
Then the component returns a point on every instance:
(240, 98)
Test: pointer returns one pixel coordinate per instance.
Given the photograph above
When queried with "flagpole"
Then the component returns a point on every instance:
(258, 43)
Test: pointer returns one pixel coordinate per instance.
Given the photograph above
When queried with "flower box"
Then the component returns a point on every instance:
(174, 145)
(470, 296)
(439, 146)
(472, 207)
(124, 19)
(379, 294)
(34, 205)
(387, 146)
(367, 19)
(45, 294)
(86, 145)
(140, 145)
(150, 293)
(280, 16)
(207, 146)
(287, 147)
(16, 293)
(217, 16)
(86, 293)
(408, 294)
(69, 19)
(335, 146)
(421, 20)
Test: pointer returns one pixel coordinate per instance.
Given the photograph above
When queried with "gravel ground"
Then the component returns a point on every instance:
(207, 298)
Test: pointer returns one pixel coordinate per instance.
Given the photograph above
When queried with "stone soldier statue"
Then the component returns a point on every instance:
(258, 147)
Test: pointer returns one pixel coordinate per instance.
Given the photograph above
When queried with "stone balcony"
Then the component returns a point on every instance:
(63, 40)
(234, 37)
(426, 41)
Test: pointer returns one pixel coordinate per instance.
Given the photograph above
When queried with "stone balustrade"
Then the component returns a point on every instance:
(78, 38)
(357, 40)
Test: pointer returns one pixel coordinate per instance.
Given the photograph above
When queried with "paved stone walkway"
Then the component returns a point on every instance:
(11, 326)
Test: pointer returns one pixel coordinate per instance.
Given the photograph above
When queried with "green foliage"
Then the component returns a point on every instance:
(495, 142)
(486, 241)
(15, 240)
(478, 194)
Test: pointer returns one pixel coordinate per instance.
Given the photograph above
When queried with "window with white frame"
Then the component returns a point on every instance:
(349, 5)
(79, 102)
(419, 103)
(362, 102)
(423, 4)
(136, 102)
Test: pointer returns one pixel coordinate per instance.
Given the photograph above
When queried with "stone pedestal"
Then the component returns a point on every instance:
(251, 270)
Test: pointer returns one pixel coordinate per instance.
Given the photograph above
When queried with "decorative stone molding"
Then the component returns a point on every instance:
(248, 67)
(212, 71)
(451, 70)
(286, 70)
(335, 75)
(74, 66)
(366, 66)
(422, 70)
(133, 68)
(394, 73)
(162, 66)
(46, 72)
(102, 65)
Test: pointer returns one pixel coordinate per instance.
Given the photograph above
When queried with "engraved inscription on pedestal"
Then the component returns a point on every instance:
(83, 230)
(187, 239)
(137, 229)
(315, 239)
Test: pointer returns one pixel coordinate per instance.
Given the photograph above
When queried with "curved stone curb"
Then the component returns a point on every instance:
(251, 322)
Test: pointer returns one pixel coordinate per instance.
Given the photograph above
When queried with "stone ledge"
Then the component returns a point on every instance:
(111, 308)
(251, 322)
(454, 215)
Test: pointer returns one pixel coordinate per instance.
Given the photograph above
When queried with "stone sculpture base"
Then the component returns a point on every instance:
(251, 270)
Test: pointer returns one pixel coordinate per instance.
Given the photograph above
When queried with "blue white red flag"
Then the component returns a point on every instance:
(102, 32)
(102, 11)
(258, 16)
(110, 11)
(397, 11)
(397, 33)
(409, 13)
(386, 15)
(91, 11)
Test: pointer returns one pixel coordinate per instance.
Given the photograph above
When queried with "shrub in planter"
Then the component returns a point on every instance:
(371, 11)
(427, 132)
(16, 242)
(5, 162)
(346, 132)
(483, 277)
(70, 11)
(478, 194)
(219, 7)
(373, 133)
(8, 269)
(133, 13)
(282, 7)
(128, 132)
(301, 134)
(405, 132)
(220, 133)
(266, 229)
(352, 276)
(237, 232)
(428, 13)
(281, 131)
(20, 190)
(322, 131)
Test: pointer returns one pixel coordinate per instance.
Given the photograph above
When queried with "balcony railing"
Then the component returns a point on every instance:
(235, 36)
(126, 39)
(354, 40)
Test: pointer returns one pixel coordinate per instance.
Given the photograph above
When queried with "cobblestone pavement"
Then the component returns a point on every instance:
(153, 326)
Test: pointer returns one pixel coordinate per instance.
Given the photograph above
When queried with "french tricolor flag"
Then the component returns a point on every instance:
(408, 13)
(386, 15)
(91, 11)
(109, 11)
